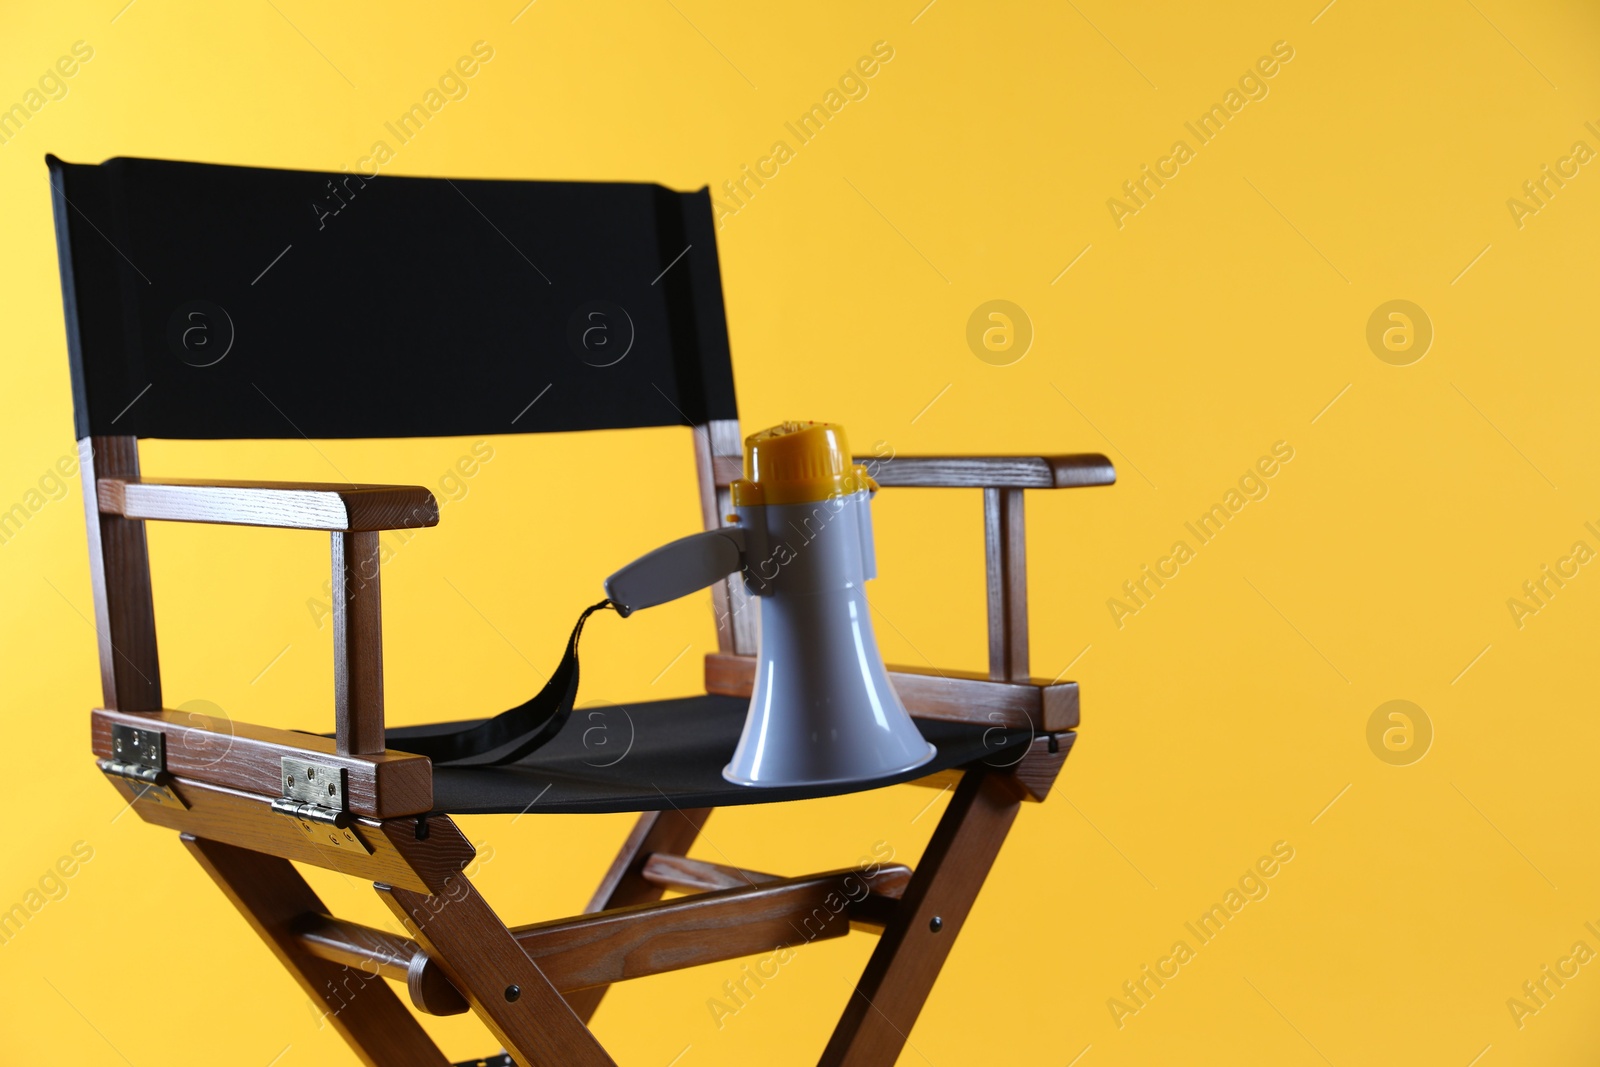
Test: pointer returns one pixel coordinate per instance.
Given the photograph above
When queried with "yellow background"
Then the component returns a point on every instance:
(1223, 317)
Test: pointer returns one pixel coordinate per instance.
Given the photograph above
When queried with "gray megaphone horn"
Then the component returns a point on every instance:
(822, 710)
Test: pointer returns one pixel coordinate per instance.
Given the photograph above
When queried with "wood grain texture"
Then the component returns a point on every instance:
(272, 897)
(389, 955)
(249, 822)
(353, 944)
(743, 619)
(1038, 769)
(247, 758)
(1034, 772)
(714, 442)
(884, 1007)
(624, 883)
(431, 989)
(718, 448)
(728, 469)
(655, 831)
(288, 505)
(991, 472)
(698, 876)
(634, 942)
(119, 571)
(1073, 471)
(357, 644)
(712, 453)
(702, 876)
(947, 696)
(506, 989)
(597, 950)
(1006, 558)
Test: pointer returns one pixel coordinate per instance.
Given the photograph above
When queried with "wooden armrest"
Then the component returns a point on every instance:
(288, 505)
(976, 472)
(992, 472)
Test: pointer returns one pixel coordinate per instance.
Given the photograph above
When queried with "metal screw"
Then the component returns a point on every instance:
(512, 993)
(936, 924)
(311, 773)
(288, 779)
(331, 789)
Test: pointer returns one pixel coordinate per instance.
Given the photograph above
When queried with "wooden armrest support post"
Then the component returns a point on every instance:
(119, 573)
(357, 644)
(1005, 553)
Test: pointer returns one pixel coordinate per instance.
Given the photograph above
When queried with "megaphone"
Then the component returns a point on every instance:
(822, 710)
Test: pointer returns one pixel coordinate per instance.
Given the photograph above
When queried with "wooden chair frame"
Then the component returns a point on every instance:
(536, 987)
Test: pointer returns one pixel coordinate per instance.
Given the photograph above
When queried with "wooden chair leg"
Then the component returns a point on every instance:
(505, 987)
(271, 895)
(670, 832)
(902, 970)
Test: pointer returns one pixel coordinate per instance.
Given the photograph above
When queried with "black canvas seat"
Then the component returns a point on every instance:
(665, 754)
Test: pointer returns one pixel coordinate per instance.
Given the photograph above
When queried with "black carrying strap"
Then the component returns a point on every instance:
(516, 732)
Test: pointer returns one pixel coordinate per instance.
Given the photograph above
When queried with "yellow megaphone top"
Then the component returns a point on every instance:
(798, 463)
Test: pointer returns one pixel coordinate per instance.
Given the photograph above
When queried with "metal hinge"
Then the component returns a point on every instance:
(139, 757)
(314, 797)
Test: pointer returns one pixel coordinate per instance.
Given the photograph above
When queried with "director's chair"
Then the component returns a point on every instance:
(209, 302)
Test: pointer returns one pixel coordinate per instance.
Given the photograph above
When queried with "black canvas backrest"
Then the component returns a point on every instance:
(237, 302)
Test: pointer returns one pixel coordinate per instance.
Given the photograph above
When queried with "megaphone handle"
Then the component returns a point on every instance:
(676, 569)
